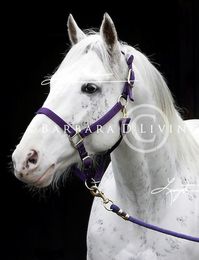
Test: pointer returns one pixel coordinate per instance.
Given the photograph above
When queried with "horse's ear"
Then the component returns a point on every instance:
(109, 35)
(74, 32)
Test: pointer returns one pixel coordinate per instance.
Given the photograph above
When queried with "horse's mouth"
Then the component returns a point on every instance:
(46, 178)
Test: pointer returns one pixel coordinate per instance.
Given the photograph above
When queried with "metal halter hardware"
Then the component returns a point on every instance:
(78, 139)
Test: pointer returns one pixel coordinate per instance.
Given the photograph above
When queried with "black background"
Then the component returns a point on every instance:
(54, 226)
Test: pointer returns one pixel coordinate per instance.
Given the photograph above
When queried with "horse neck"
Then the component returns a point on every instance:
(137, 174)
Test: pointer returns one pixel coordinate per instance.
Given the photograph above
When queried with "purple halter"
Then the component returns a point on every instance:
(77, 138)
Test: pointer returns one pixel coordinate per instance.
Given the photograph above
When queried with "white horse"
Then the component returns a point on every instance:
(154, 172)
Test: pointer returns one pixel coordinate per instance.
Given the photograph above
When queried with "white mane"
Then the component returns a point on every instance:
(183, 146)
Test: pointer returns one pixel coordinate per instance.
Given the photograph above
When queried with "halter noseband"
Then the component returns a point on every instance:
(77, 137)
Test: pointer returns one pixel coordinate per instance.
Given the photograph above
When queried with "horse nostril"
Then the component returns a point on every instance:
(32, 158)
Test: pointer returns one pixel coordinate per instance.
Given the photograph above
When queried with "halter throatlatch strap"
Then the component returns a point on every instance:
(76, 138)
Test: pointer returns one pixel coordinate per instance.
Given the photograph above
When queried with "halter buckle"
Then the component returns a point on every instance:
(129, 80)
(76, 139)
(85, 158)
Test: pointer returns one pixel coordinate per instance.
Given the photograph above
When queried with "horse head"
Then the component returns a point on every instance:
(87, 84)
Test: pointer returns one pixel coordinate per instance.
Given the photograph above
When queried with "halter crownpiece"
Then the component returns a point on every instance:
(77, 137)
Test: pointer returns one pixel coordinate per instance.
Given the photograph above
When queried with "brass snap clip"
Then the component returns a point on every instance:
(96, 192)
(124, 103)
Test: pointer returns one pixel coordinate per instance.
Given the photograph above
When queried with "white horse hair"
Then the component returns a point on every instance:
(134, 173)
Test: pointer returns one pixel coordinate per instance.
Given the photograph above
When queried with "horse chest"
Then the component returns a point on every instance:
(110, 237)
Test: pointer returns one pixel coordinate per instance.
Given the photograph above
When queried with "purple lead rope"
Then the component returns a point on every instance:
(141, 223)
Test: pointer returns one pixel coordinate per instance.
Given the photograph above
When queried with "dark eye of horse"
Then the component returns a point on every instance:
(89, 88)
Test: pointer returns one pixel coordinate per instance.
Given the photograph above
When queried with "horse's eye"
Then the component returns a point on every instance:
(89, 88)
